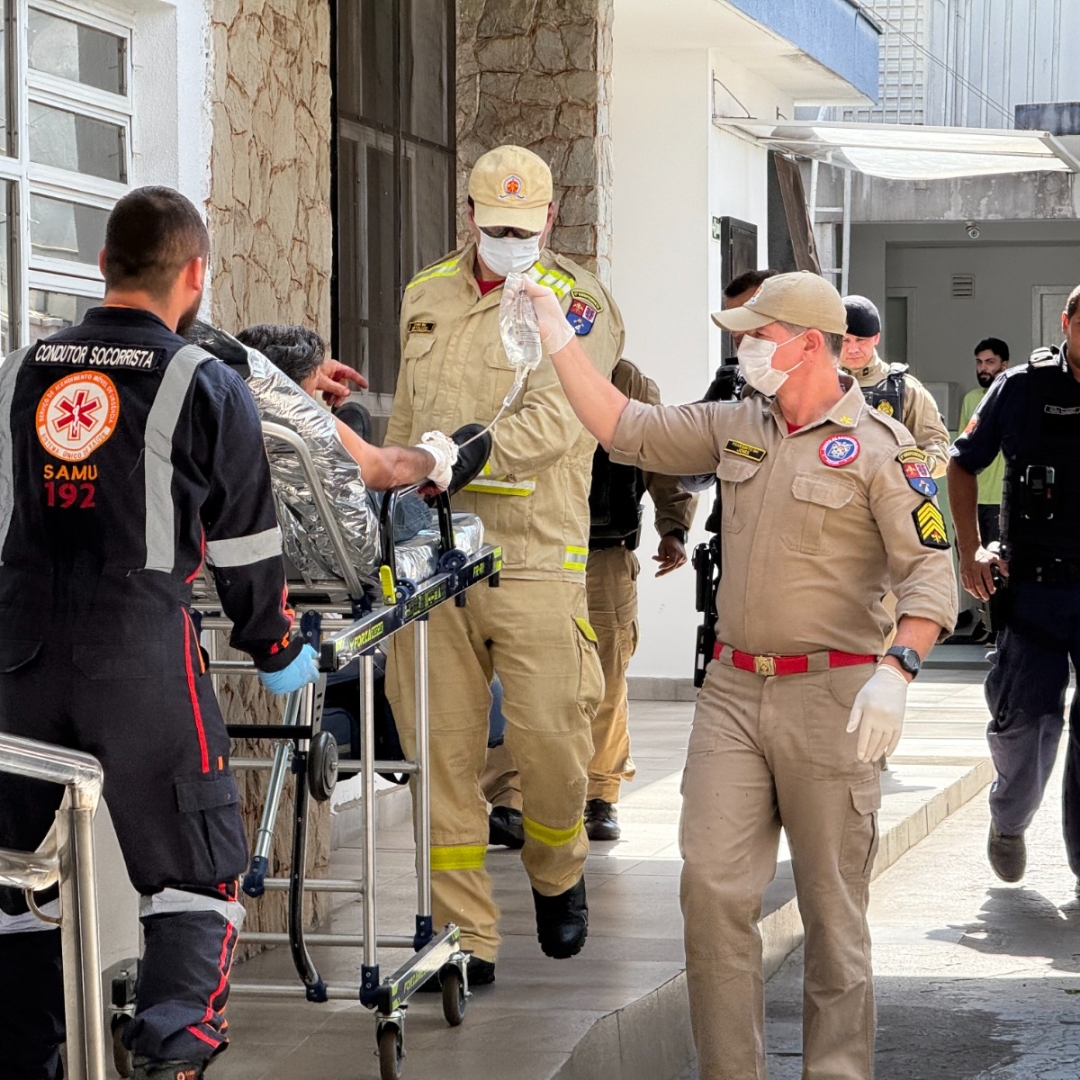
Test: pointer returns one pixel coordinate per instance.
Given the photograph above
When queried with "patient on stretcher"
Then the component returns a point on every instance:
(283, 366)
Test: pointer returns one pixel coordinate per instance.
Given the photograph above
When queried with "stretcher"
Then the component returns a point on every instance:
(345, 619)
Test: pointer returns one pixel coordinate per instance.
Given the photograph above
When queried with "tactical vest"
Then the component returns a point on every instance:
(887, 396)
(614, 503)
(1037, 525)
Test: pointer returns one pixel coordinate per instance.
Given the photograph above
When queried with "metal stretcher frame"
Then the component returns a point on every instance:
(306, 751)
(66, 856)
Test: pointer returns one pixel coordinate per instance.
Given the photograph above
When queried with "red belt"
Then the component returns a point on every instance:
(787, 665)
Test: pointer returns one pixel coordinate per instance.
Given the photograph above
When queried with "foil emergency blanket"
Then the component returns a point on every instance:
(418, 558)
(281, 401)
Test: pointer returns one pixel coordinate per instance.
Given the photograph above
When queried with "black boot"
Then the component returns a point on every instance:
(471, 458)
(562, 922)
(601, 820)
(506, 828)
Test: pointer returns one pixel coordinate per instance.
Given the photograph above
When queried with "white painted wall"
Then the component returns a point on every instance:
(675, 171)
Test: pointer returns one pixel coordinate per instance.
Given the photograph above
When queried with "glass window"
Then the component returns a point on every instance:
(71, 50)
(5, 66)
(395, 168)
(7, 340)
(68, 140)
(62, 229)
(51, 311)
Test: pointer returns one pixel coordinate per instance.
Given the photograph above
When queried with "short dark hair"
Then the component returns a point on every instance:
(151, 234)
(297, 350)
(996, 346)
(1072, 303)
(752, 279)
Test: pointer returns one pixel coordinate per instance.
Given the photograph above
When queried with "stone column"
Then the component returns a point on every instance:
(270, 235)
(538, 73)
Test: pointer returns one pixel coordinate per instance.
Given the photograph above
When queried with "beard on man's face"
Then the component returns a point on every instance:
(183, 324)
(985, 379)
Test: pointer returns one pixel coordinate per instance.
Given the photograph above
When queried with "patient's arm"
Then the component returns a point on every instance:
(384, 467)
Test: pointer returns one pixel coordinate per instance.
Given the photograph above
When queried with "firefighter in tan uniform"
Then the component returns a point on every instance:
(891, 388)
(533, 499)
(824, 503)
(611, 586)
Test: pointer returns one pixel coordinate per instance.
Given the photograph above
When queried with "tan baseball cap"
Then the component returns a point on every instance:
(511, 186)
(802, 299)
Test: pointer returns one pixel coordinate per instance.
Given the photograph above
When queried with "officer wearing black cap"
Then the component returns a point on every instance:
(127, 457)
(1031, 414)
(891, 388)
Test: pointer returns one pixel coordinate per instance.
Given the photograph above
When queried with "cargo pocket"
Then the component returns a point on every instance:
(212, 845)
(860, 841)
(814, 497)
(734, 472)
(416, 351)
(16, 654)
(119, 660)
(590, 670)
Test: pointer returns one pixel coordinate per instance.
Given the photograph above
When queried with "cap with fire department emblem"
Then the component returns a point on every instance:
(511, 187)
(799, 299)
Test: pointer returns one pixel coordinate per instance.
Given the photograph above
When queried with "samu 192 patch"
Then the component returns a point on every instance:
(930, 526)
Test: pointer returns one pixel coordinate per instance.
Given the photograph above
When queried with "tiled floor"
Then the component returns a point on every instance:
(570, 1019)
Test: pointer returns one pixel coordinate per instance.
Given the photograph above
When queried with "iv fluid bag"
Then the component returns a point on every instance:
(518, 326)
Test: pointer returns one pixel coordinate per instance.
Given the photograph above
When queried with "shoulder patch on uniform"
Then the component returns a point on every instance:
(839, 450)
(972, 424)
(588, 298)
(741, 449)
(581, 315)
(930, 526)
(916, 466)
(419, 326)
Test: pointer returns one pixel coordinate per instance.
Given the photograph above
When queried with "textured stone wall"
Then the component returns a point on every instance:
(270, 230)
(538, 73)
(269, 212)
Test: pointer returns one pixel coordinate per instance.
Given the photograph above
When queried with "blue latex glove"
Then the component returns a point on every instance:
(301, 671)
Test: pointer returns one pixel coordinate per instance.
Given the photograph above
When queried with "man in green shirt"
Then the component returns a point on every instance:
(991, 359)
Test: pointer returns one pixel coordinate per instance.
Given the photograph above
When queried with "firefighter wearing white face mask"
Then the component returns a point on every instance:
(533, 499)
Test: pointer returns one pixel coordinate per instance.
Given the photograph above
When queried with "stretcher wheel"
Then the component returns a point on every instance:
(122, 1057)
(453, 995)
(453, 561)
(322, 766)
(391, 1051)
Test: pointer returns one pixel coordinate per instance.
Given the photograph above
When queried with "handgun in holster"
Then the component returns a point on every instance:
(1000, 603)
(708, 565)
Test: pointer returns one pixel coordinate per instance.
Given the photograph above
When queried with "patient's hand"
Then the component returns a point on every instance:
(332, 381)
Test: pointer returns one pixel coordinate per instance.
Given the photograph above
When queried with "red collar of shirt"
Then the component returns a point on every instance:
(486, 286)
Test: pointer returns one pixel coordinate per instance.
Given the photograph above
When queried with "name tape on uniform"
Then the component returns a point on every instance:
(930, 526)
(419, 326)
(89, 354)
(741, 449)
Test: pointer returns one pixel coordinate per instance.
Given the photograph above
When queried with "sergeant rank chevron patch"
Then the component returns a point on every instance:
(930, 525)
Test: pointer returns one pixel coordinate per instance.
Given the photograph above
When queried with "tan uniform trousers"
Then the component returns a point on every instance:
(611, 584)
(767, 752)
(535, 634)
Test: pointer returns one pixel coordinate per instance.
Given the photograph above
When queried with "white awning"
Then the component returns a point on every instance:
(909, 151)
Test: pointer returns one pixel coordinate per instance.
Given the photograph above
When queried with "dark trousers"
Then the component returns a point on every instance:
(1026, 694)
(129, 689)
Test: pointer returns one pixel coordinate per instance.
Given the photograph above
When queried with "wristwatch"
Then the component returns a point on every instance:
(908, 659)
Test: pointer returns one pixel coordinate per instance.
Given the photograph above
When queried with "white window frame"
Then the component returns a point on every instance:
(26, 85)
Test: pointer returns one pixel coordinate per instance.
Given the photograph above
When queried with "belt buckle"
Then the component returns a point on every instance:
(764, 665)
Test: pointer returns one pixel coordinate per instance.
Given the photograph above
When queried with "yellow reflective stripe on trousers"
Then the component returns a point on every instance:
(551, 837)
(502, 487)
(460, 857)
(576, 558)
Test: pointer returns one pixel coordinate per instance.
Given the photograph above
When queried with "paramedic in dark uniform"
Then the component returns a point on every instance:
(1031, 415)
(128, 456)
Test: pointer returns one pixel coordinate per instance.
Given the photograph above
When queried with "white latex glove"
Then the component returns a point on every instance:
(555, 332)
(445, 452)
(878, 713)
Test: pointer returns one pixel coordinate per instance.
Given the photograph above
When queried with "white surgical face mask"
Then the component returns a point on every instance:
(508, 255)
(755, 360)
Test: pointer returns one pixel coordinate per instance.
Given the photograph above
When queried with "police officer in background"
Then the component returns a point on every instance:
(799, 703)
(1031, 414)
(890, 388)
(124, 452)
(533, 631)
